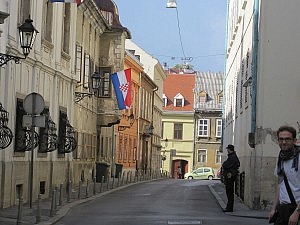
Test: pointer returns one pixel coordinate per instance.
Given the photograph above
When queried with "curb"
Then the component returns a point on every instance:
(236, 213)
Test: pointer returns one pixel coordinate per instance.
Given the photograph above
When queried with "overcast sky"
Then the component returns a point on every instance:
(155, 28)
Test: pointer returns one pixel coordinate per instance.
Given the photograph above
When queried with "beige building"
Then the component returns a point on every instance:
(100, 49)
(49, 71)
(261, 89)
(208, 94)
(73, 42)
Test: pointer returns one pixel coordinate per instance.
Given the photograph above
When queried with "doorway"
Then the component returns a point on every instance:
(183, 164)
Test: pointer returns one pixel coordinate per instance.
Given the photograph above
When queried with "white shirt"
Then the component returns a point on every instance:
(293, 177)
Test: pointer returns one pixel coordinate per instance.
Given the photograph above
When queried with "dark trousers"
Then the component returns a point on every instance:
(229, 186)
(284, 213)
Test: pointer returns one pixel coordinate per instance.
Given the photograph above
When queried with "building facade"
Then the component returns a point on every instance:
(49, 71)
(208, 101)
(127, 144)
(178, 123)
(152, 69)
(261, 89)
(74, 43)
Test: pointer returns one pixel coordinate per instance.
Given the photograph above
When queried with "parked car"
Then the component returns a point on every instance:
(201, 173)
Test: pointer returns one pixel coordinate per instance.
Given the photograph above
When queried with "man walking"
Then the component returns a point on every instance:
(230, 170)
(287, 194)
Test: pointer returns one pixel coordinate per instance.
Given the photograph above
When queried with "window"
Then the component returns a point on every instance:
(165, 100)
(48, 11)
(125, 148)
(130, 149)
(104, 83)
(66, 33)
(203, 127)
(202, 97)
(78, 62)
(218, 157)
(88, 146)
(120, 146)
(134, 150)
(86, 70)
(220, 98)
(42, 187)
(24, 8)
(102, 147)
(44, 132)
(62, 131)
(178, 103)
(179, 100)
(202, 155)
(178, 130)
(20, 132)
(218, 127)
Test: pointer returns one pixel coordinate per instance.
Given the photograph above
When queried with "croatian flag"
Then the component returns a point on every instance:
(122, 84)
(67, 1)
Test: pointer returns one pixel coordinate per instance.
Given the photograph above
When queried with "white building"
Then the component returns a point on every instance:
(261, 88)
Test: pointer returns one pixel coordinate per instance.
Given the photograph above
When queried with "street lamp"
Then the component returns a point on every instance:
(164, 157)
(171, 4)
(27, 34)
(94, 84)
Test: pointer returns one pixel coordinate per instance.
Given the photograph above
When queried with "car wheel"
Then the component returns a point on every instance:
(210, 177)
(190, 178)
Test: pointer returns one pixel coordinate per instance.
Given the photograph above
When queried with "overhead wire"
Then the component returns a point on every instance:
(179, 32)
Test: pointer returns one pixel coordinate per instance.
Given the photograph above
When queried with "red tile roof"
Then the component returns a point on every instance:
(183, 84)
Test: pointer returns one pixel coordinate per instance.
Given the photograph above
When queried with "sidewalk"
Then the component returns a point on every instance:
(240, 209)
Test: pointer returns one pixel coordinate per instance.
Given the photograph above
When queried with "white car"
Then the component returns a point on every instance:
(201, 173)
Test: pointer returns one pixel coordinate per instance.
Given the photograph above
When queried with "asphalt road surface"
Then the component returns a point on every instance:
(169, 201)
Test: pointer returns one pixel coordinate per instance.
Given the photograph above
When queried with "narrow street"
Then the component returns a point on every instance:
(157, 202)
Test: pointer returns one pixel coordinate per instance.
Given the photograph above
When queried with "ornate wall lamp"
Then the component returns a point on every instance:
(94, 84)
(27, 37)
(6, 134)
(164, 157)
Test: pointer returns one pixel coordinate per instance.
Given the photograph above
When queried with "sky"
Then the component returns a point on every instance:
(198, 35)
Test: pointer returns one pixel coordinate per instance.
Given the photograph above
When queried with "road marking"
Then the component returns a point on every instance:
(147, 194)
(183, 222)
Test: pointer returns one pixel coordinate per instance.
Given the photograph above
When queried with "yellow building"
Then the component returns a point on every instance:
(178, 123)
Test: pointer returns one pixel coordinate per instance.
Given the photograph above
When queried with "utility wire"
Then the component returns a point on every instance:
(194, 57)
(179, 32)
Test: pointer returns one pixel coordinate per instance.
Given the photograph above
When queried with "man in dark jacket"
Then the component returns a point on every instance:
(230, 170)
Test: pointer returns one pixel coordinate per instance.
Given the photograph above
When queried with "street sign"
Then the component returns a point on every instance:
(34, 104)
(35, 121)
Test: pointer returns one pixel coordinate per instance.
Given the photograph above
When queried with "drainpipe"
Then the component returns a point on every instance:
(258, 162)
(151, 143)
(224, 83)
(254, 61)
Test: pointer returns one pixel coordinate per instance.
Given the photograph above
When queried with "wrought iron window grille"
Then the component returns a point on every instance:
(6, 134)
